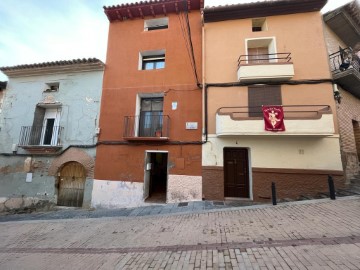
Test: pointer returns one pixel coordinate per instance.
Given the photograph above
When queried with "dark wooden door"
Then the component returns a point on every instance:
(71, 186)
(236, 172)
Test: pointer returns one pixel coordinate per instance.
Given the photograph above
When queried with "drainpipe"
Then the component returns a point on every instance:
(204, 87)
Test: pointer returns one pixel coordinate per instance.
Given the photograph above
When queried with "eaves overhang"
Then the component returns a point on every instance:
(150, 8)
(261, 9)
(345, 22)
(56, 67)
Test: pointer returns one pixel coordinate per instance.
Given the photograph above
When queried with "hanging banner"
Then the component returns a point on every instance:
(273, 118)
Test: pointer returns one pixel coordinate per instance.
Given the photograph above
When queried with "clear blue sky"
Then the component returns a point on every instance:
(35, 31)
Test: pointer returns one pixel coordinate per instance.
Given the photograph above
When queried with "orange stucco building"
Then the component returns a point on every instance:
(150, 119)
(272, 54)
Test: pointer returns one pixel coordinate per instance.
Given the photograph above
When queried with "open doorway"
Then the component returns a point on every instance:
(156, 175)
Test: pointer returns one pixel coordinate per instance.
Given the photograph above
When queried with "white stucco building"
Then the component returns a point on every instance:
(48, 133)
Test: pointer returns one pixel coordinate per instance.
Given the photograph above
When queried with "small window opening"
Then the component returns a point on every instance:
(156, 24)
(52, 87)
(259, 24)
(149, 60)
(153, 62)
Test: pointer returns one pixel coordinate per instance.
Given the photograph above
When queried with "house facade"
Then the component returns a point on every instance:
(342, 35)
(150, 126)
(48, 133)
(273, 60)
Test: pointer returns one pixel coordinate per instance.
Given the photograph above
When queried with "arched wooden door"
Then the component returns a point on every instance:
(71, 184)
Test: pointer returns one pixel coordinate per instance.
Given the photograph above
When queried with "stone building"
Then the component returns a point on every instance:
(48, 133)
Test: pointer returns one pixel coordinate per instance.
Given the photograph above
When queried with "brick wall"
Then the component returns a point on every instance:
(289, 183)
(73, 154)
(332, 40)
(213, 183)
(357, 137)
(292, 185)
(348, 117)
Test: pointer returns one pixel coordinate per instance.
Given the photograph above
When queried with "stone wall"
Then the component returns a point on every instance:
(20, 190)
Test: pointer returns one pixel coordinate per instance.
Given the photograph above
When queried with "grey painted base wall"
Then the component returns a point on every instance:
(13, 178)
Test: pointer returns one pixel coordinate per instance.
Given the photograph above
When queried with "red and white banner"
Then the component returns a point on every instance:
(273, 118)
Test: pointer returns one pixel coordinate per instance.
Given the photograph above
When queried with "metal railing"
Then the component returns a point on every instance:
(147, 125)
(290, 111)
(40, 136)
(339, 63)
(264, 58)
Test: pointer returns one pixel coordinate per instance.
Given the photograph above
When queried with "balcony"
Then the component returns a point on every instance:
(303, 120)
(344, 22)
(147, 127)
(347, 75)
(41, 138)
(265, 67)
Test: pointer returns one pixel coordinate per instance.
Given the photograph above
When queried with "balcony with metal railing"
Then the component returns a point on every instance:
(147, 127)
(304, 120)
(345, 68)
(265, 67)
(41, 138)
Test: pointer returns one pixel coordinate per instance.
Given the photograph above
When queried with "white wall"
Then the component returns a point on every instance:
(278, 152)
(79, 94)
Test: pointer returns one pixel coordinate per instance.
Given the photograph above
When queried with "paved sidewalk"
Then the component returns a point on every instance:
(151, 209)
(320, 234)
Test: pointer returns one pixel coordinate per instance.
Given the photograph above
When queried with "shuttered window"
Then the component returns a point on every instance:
(262, 95)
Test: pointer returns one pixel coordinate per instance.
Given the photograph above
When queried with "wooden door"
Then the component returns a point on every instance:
(258, 55)
(71, 185)
(236, 172)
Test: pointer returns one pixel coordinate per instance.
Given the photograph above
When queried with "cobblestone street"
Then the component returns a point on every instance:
(319, 234)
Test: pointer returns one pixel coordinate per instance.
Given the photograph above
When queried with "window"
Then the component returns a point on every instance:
(45, 129)
(259, 24)
(261, 50)
(262, 95)
(52, 87)
(152, 60)
(156, 24)
(151, 117)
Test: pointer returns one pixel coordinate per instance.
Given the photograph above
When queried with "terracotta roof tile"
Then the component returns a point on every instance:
(52, 64)
(150, 8)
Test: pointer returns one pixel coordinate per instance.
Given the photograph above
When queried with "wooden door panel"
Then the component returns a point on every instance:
(236, 176)
(72, 184)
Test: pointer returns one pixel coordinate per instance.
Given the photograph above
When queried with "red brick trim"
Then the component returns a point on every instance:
(73, 154)
(290, 183)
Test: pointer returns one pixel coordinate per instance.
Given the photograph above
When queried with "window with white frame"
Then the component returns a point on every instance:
(156, 24)
(149, 60)
(259, 24)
